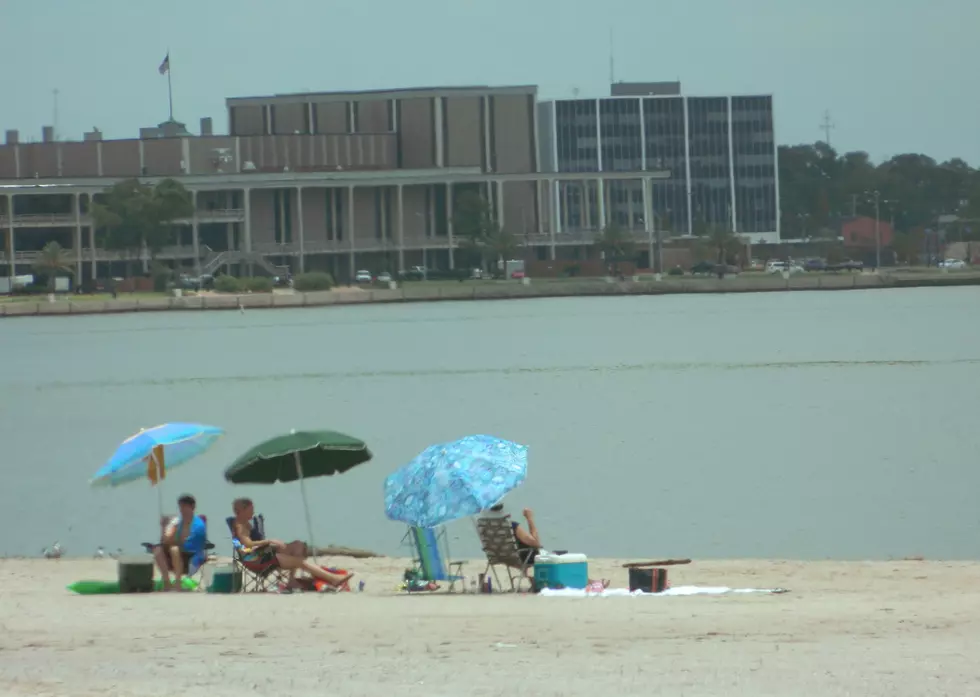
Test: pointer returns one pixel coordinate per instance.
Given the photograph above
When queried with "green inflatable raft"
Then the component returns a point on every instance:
(110, 587)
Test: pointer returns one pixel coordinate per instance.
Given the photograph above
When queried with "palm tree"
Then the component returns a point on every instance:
(51, 262)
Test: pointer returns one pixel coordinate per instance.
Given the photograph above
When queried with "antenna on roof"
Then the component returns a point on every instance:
(612, 59)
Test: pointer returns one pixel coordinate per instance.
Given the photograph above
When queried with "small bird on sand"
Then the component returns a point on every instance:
(100, 553)
(53, 552)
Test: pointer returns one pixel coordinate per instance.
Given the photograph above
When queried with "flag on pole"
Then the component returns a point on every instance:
(165, 66)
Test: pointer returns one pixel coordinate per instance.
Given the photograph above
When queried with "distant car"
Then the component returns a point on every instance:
(775, 266)
(384, 277)
(363, 276)
(517, 275)
(952, 264)
(476, 274)
(416, 273)
(703, 267)
(814, 265)
(847, 265)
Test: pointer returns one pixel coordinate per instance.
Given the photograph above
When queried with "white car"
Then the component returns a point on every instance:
(384, 277)
(780, 266)
(952, 264)
(364, 276)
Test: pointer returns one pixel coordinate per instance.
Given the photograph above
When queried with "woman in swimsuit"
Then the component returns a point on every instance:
(291, 557)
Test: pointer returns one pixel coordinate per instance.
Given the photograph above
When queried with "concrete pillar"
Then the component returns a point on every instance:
(11, 245)
(602, 203)
(301, 230)
(350, 232)
(78, 237)
(587, 205)
(648, 225)
(195, 235)
(247, 242)
(500, 204)
(91, 239)
(550, 186)
(449, 224)
(555, 194)
(401, 228)
(564, 204)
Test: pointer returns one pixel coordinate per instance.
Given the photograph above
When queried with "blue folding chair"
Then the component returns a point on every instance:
(432, 556)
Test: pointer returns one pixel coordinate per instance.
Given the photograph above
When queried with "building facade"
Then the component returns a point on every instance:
(721, 153)
(343, 181)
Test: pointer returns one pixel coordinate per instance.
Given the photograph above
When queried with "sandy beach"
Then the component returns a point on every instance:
(861, 628)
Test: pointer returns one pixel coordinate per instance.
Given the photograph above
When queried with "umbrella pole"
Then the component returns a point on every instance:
(306, 506)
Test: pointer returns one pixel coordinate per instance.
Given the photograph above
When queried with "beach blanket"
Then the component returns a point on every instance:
(677, 590)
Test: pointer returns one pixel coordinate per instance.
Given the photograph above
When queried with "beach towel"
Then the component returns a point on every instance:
(678, 590)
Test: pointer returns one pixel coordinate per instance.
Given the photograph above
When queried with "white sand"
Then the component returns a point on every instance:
(881, 628)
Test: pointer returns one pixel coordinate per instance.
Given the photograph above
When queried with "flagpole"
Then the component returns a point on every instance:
(170, 87)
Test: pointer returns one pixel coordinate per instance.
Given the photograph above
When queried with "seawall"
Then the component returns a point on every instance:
(433, 292)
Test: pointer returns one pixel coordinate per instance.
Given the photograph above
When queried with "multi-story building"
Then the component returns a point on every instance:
(341, 181)
(721, 153)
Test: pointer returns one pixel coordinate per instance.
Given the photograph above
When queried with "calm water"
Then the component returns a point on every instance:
(803, 425)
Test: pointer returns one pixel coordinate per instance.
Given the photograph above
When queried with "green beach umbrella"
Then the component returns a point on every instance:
(299, 455)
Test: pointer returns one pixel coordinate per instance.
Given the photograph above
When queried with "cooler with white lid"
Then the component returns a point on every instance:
(561, 571)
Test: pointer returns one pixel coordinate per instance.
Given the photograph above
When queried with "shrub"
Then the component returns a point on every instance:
(315, 280)
(675, 271)
(162, 277)
(257, 284)
(227, 284)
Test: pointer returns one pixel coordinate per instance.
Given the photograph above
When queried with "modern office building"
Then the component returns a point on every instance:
(721, 153)
(342, 181)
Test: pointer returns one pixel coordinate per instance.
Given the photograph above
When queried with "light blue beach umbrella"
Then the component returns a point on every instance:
(152, 452)
(449, 481)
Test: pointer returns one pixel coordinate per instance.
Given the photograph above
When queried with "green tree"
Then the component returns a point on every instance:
(53, 262)
(131, 214)
(481, 242)
(500, 245)
(616, 244)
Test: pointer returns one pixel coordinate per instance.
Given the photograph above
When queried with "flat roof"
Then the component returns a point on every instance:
(396, 92)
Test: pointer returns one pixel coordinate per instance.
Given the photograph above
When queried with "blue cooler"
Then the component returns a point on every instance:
(561, 571)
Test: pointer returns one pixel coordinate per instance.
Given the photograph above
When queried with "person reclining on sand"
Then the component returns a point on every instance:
(291, 557)
(182, 543)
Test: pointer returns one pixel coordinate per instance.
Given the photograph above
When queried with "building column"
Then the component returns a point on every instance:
(587, 204)
(648, 226)
(601, 197)
(401, 227)
(195, 236)
(550, 186)
(300, 229)
(449, 224)
(563, 188)
(500, 204)
(11, 246)
(78, 237)
(350, 232)
(91, 238)
(247, 226)
(555, 194)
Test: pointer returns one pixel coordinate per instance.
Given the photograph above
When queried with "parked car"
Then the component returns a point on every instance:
(416, 273)
(780, 266)
(814, 265)
(703, 267)
(847, 265)
(517, 275)
(363, 276)
(952, 264)
(384, 277)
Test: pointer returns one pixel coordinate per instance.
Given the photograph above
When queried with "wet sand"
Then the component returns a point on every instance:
(871, 628)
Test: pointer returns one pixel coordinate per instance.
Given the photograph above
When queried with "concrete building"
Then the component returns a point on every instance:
(342, 181)
(721, 152)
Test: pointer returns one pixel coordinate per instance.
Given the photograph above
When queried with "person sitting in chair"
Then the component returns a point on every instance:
(528, 541)
(182, 544)
(291, 556)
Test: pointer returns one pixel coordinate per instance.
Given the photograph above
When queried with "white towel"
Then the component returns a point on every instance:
(677, 590)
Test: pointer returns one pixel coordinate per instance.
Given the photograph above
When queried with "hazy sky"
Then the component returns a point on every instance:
(897, 76)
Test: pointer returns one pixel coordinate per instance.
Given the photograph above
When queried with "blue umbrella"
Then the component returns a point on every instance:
(454, 480)
(150, 453)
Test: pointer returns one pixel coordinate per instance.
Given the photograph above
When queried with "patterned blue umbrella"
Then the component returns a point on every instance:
(454, 480)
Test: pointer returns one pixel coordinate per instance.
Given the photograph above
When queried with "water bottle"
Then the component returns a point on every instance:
(360, 587)
(489, 585)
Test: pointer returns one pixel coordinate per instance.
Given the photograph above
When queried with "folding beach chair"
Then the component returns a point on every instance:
(256, 575)
(497, 539)
(431, 548)
(198, 562)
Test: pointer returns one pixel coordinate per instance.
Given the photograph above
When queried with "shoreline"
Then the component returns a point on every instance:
(874, 628)
(457, 292)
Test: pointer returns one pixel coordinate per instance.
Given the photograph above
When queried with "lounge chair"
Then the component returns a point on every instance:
(432, 555)
(199, 560)
(497, 539)
(256, 575)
